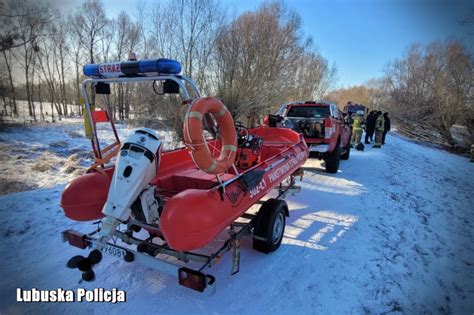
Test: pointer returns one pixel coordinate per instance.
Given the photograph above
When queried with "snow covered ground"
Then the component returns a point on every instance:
(392, 231)
(44, 155)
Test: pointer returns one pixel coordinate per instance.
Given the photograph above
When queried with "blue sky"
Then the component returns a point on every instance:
(359, 36)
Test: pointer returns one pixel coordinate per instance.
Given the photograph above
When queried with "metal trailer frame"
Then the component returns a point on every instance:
(146, 252)
(182, 81)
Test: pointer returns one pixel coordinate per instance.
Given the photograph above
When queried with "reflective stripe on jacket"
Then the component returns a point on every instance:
(359, 123)
(379, 124)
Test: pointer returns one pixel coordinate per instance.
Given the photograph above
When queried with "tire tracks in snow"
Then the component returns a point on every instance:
(416, 256)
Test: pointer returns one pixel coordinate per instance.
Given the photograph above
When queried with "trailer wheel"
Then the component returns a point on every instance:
(270, 225)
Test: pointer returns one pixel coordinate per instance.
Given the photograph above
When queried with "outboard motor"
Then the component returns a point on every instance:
(135, 167)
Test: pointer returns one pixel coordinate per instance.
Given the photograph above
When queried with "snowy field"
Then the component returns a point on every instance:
(392, 231)
(42, 156)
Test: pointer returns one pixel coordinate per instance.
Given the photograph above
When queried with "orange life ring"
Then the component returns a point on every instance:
(194, 138)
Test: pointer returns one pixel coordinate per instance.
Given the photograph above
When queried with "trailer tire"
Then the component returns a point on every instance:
(270, 224)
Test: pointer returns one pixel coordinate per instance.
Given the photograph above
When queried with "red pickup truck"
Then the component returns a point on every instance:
(323, 126)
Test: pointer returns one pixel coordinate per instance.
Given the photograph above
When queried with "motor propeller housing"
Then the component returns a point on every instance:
(135, 167)
(85, 264)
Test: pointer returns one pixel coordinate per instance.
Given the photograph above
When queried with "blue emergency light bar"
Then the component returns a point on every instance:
(132, 68)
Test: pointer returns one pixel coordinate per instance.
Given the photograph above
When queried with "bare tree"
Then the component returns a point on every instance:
(313, 77)
(76, 38)
(4, 93)
(126, 40)
(10, 33)
(91, 22)
(61, 50)
(187, 31)
(46, 63)
(7, 57)
(30, 21)
(106, 41)
(432, 86)
(253, 62)
(142, 19)
(367, 94)
(258, 54)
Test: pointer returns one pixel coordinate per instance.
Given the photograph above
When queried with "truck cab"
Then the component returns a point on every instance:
(323, 126)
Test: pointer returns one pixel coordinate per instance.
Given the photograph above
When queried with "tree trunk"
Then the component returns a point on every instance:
(78, 83)
(41, 102)
(12, 99)
(121, 101)
(57, 105)
(63, 82)
(52, 109)
(32, 84)
(5, 105)
(27, 85)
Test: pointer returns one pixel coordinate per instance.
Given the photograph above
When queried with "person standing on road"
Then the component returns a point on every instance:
(357, 126)
(370, 127)
(379, 128)
(386, 126)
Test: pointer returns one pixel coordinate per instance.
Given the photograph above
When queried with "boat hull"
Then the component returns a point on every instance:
(194, 217)
(196, 208)
(84, 198)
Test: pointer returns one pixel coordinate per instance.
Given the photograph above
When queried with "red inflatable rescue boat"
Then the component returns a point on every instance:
(185, 197)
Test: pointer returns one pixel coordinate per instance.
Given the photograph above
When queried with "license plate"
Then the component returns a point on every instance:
(114, 251)
(318, 148)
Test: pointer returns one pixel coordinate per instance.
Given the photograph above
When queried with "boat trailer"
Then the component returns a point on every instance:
(157, 256)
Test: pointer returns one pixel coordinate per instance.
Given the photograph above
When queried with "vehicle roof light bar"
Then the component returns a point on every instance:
(132, 68)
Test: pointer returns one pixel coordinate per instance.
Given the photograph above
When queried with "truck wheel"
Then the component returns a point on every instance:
(270, 225)
(332, 162)
(347, 154)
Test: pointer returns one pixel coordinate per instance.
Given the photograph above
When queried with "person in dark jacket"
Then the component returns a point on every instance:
(386, 126)
(370, 127)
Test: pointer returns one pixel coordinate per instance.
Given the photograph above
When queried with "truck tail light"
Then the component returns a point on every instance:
(329, 128)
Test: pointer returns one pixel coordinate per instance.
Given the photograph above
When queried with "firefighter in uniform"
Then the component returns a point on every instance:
(357, 126)
(379, 129)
